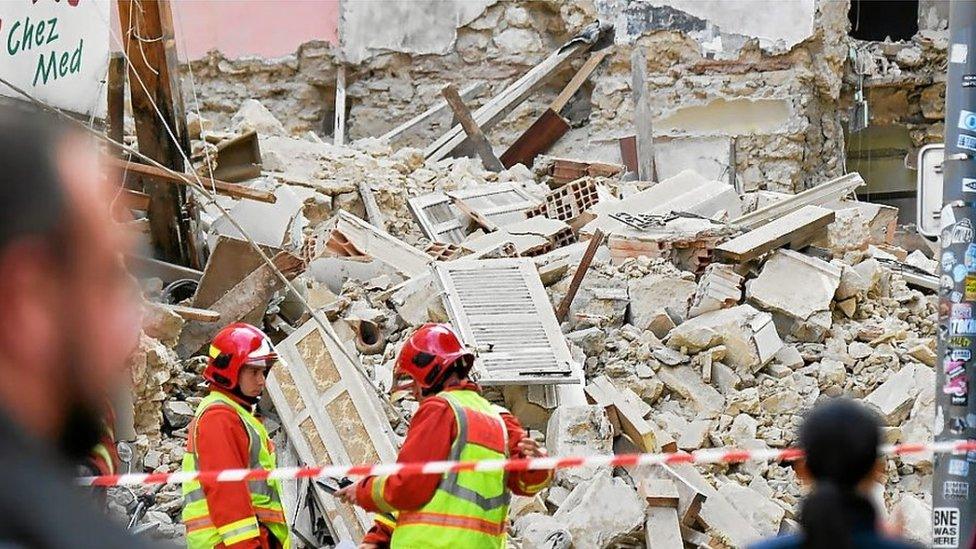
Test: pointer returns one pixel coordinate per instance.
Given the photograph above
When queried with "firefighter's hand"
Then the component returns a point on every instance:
(530, 448)
(347, 495)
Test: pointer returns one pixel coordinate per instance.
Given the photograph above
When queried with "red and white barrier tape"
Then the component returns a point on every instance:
(711, 455)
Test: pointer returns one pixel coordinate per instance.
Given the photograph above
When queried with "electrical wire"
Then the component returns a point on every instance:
(198, 187)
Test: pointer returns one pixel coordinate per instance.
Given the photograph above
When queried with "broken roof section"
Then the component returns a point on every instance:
(502, 311)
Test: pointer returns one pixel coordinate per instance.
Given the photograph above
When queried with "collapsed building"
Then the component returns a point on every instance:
(708, 305)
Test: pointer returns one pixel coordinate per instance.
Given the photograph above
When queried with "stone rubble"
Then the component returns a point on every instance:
(733, 355)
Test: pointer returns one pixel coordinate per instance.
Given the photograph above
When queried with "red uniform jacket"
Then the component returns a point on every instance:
(222, 443)
(429, 438)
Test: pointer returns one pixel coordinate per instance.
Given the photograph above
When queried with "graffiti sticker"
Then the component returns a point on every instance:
(945, 527)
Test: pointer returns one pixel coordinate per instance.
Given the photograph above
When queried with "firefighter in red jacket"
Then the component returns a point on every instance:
(225, 434)
(454, 422)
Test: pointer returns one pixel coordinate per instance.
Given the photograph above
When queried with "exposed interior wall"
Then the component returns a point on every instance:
(231, 26)
(782, 95)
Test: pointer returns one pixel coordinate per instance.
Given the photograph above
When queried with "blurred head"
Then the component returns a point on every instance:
(840, 440)
(70, 316)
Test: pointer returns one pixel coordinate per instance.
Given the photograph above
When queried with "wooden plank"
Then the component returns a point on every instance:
(115, 95)
(536, 140)
(550, 125)
(499, 106)
(481, 220)
(157, 107)
(133, 200)
(148, 267)
(189, 179)
(662, 529)
(186, 179)
(467, 93)
(659, 492)
(574, 284)
(339, 125)
(193, 313)
(834, 189)
(642, 117)
(798, 225)
(576, 82)
(471, 128)
(373, 212)
(628, 152)
(247, 297)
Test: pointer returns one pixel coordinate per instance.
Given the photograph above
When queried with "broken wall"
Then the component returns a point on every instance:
(767, 95)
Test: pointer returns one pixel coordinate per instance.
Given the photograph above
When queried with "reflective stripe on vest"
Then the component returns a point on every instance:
(470, 508)
(450, 482)
(265, 494)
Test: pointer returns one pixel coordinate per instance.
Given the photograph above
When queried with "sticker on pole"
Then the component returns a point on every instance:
(968, 185)
(958, 53)
(945, 527)
(967, 142)
(967, 120)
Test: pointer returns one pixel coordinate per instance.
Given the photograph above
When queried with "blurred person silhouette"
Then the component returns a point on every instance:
(840, 440)
(69, 318)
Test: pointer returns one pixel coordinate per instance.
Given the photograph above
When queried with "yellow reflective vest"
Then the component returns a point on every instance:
(201, 532)
(470, 508)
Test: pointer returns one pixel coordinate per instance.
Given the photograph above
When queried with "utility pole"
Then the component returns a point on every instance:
(147, 35)
(954, 478)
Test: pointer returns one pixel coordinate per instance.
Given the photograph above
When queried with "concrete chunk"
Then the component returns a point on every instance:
(579, 431)
(749, 335)
(601, 509)
(662, 529)
(893, 399)
(720, 287)
(651, 296)
(798, 287)
(760, 512)
(688, 384)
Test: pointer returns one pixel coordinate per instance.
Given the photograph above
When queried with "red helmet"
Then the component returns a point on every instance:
(233, 347)
(429, 353)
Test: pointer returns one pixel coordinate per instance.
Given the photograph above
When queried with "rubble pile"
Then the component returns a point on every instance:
(662, 346)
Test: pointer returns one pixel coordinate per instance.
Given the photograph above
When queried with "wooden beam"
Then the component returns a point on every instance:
(550, 125)
(193, 313)
(133, 200)
(467, 93)
(339, 128)
(373, 213)
(499, 106)
(169, 177)
(157, 105)
(115, 93)
(471, 128)
(796, 228)
(574, 284)
(576, 82)
(642, 116)
(248, 296)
